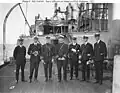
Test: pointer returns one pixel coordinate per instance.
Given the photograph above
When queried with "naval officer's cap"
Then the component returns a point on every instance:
(47, 37)
(74, 38)
(85, 37)
(20, 39)
(61, 37)
(97, 34)
(36, 38)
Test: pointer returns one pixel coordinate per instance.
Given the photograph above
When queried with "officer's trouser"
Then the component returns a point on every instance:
(18, 66)
(73, 64)
(48, 66)
(60, 64)
(34, 66)
(99, 70)
(85, 70)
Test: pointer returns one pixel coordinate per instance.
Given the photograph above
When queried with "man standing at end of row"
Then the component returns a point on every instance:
(19, 55)
(100, 52)
(34, 51)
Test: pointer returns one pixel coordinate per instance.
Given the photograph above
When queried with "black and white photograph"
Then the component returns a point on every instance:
(59, 46)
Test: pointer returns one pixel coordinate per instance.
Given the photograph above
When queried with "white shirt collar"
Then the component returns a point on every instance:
(35, 43)
(86, 43)
(74, 43)
(20, 45)
(98, 41)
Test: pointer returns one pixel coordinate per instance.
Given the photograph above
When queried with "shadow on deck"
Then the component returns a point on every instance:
(7, 78)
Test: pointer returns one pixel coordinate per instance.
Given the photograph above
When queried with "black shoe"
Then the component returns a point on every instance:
(96, 82)
(50, 78)
(59, 80)
(35, 80)
(100, 82)
(24, 80)
(87, 80)
(16, 81)
(82, 80)
(71, 78)
(30, 81)
(46, 79)
(77, 78)
(65, 79)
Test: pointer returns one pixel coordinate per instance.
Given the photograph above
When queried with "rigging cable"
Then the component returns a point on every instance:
(25, 18)
(26, 8)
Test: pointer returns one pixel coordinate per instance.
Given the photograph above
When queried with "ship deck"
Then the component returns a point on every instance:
(8, 85)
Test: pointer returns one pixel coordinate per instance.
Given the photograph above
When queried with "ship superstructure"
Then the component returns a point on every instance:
(75, 20)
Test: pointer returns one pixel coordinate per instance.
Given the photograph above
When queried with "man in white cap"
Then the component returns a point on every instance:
(34, 51)
(19, 55)
(100, 52)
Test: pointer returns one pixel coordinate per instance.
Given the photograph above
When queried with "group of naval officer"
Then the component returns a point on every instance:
(62, 54)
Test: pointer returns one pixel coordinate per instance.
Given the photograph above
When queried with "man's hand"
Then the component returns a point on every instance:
(52, 60)
(92, 61)
(80, 56)
(31, 52)
(64, 55)
(88, 62)
(43, 61)
(73, 50)
(35, 53)
(56, 56)
(101, 54)
(79, 62)
(88, 54)
(41, 57)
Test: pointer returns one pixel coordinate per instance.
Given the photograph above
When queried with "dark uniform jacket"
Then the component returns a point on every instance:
(48, 52)
(61, 50)
(87, 51)
(19, 54)
(32, 48)
(74, 55)
(100, 51)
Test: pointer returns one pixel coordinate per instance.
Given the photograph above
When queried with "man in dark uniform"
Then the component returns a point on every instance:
(19, 55)
(100, 52)
(47, 54)
(34, 51)
(74, 52)
(61, 50)
(87, 54)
